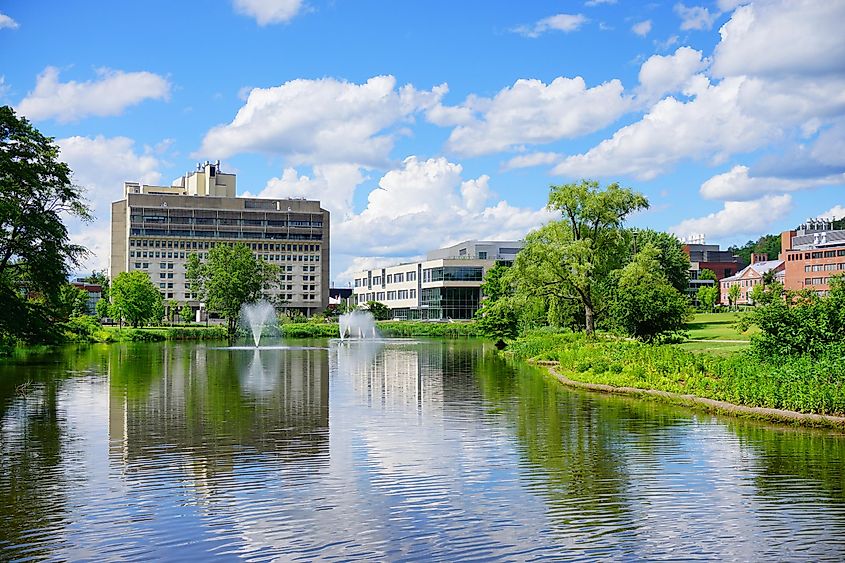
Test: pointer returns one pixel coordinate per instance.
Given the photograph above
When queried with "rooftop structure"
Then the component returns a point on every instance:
(813, 253)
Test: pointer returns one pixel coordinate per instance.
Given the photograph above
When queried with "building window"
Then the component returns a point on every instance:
(411, 276)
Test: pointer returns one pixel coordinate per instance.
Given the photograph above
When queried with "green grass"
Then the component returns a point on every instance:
(717, 326)
(803, 384)
(713, 347)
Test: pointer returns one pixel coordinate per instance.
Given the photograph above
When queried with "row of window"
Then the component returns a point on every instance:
(386, 295)
(816, 281)
(815, 255)
(453, 273)
(231, 221)
(824, 267)
(401, 277)
(223, 234)
(192, 244)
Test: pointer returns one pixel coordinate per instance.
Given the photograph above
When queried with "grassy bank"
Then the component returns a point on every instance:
(158, 334)
(717, 326)
(797, 384)
(390, 329)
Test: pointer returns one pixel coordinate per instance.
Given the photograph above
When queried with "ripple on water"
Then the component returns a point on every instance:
(389, 451)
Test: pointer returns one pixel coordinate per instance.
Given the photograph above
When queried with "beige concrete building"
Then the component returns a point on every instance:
(446, 285)
(155, 228)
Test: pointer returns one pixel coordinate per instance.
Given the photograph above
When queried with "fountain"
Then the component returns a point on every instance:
(256, 316)
(358, 324)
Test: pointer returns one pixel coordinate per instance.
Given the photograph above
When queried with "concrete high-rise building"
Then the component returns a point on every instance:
(446, 285)
(155, 228)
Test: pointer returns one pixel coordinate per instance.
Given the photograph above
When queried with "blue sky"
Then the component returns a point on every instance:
(421, 124)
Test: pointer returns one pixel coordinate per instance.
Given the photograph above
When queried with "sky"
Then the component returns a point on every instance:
(421, 124)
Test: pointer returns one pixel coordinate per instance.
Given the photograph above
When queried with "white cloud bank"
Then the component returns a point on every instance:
(531, 112)
(738, 218)
(321, 121)
(111, 93)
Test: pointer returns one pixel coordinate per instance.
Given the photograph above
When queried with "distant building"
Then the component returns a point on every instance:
(813, 253)
(155, 228)
(702, 256)
(338, 295)
(749, 277)
(94, 291)
(446, 285)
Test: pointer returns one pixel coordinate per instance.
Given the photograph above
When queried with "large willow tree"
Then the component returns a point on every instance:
(573, 259)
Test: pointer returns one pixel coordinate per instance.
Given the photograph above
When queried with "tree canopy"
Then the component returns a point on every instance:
(36, 191)
(229, 278)
(647, 306)
(135, 299)
(571, 259)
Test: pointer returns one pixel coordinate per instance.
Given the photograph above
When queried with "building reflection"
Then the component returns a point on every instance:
(217, 406)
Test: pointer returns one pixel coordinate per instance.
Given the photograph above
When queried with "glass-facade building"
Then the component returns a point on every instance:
(444, 286)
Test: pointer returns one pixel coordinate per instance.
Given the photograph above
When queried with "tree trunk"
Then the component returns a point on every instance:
(589, 320)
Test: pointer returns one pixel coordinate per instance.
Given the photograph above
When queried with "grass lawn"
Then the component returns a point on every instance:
(713, 347)
(717, 326)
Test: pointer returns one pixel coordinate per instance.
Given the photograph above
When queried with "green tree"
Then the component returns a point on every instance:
(647, 306)
(135, 299)
(766, 244)
(572, 259)
(70, 302)
(499, 319)
(186, 314)
(496, 284)
(671, 258)
(706, 274)
(794, 323)
(36, 254)
(103, 308)
(231, 277)
(707, 297)
(380, 311)
(733, 295)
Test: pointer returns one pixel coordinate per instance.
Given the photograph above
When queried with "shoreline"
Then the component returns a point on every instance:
(696, 402)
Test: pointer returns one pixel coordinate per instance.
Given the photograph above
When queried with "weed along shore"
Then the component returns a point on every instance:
(799, 390)
(709, 405)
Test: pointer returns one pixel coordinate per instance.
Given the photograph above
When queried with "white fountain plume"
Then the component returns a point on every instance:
(358, 324)
(256, 316)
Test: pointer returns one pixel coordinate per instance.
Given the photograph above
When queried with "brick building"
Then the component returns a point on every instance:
(812, 254)
(750, 276)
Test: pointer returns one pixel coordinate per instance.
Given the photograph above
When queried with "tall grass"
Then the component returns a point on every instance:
(793, 383)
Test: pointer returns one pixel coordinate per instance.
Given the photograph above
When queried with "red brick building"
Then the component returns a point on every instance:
(749, 277)
(812, 254)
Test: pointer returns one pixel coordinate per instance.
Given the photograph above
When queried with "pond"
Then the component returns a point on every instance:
(392, 450)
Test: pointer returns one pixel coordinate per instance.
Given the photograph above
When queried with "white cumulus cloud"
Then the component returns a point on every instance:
(738, 185)
(7, 23)
(739, 218)
(532, 159)
(711, 126)
(321, 121)
(111, 93)
(664, 74)
(533, 112)
(835, 212)
(426, 204)
(100, 165)
(695, 17)
(269, 11)
(332, 184)
(559, 22)
(782, 37)
(642, 28)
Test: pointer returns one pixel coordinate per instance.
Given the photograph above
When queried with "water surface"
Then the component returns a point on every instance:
(388, 450)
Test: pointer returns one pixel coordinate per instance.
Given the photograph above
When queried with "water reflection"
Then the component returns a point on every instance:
(387, 450)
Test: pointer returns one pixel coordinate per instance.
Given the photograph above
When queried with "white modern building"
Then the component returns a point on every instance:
(446, 285)
(155, 228)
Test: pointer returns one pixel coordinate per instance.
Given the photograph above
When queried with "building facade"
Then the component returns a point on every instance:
(749, 277)
(155, 228)
(813, 253)
(702, 256)
(446, 285)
